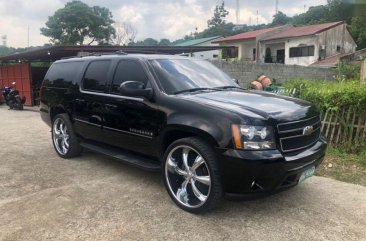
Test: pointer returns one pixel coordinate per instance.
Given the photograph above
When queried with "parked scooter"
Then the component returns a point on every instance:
(5, 91)
(13, 98)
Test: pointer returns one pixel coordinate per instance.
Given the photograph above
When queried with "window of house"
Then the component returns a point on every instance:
(230, 53)
(96, 75)
(338, 48)
(302, 51)
(254, 54)
(128, 70)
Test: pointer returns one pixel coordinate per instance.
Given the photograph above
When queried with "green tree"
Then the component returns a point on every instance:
(314, 15)
(340, 10)
(219, 16)
(150, 42)
(358, 29)
(77, 23)
(164, 42)
(280, 19)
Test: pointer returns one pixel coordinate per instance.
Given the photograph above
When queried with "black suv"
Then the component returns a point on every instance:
(185, 117)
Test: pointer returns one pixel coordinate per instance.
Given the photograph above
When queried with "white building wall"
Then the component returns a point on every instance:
(209, 55)
(298, 42)
(245, 48)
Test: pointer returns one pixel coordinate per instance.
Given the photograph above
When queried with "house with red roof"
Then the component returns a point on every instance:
(305, 45)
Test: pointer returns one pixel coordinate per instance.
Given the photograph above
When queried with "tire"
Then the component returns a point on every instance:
(20, 106)
(64, 138)
(195, 184)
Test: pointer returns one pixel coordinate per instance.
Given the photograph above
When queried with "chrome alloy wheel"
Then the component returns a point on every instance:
(188, 176)
(61, 136)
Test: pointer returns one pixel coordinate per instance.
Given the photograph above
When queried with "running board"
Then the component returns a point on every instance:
(123, 156)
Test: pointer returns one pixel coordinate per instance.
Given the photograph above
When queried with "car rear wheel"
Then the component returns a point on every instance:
(191, 175)
(64, 138)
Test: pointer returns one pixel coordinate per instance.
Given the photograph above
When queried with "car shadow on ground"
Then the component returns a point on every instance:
(269, 205)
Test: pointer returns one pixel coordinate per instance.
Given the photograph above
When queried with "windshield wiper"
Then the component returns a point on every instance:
(229, 87)
(195, 89)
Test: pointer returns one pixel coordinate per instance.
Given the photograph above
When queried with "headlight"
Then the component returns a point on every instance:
(253, 137)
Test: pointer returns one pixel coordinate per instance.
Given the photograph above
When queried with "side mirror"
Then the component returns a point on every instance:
(134, 89)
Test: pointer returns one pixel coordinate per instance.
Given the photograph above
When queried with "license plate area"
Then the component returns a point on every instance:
(307, 173)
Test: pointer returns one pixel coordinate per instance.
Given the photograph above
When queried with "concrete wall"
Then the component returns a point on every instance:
(246, 72)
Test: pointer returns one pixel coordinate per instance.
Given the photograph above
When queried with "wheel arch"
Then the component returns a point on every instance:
(54, 111)
(176, 132)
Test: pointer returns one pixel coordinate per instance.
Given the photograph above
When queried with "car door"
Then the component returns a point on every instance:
(89, 104)
(131, 122)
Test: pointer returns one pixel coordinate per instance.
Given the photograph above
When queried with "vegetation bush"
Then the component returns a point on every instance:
(336, 96)
(331, 95)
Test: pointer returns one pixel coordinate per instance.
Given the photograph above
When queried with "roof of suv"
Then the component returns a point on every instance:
(114, 56)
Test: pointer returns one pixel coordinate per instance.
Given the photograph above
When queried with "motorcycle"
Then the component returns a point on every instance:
(13, 98)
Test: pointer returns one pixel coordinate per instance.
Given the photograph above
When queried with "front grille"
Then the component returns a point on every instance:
(291, 135)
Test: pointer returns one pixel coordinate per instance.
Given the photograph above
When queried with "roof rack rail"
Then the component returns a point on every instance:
(71, 57)
(121, 52)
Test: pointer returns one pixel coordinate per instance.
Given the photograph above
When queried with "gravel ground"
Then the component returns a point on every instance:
(43, 197)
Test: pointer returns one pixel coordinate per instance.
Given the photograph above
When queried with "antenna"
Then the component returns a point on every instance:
(304, 8)
(28, 37)
(276, 6)
(237, 12)
(257, 17)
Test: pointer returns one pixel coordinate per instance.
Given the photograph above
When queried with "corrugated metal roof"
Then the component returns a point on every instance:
(304, 30)
(328, 62)
(247, 35)
(197, 41)
(57, 52)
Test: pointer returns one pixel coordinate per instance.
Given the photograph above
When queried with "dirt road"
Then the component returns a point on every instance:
(43, 197)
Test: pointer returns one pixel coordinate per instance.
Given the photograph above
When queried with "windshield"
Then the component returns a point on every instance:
(178, 75)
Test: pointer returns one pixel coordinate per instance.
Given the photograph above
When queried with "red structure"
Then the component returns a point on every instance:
(19, 73)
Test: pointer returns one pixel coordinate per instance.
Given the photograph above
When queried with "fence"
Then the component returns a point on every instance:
(344, 128)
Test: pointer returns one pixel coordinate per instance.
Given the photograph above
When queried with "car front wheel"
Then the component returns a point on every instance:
(191, 175)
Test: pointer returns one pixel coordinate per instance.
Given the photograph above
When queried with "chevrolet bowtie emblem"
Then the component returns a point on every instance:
(308, 130)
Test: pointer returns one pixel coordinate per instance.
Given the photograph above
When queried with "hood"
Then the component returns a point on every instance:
(265, 104)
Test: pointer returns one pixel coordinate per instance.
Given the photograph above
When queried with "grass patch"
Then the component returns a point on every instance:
(344, 166)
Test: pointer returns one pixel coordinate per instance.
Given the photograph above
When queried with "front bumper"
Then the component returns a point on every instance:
(259, 173)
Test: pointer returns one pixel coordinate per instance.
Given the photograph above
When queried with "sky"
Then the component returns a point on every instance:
(151, 18)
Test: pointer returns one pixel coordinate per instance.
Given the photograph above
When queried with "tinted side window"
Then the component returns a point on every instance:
(95, 77)
(62, 75)
(128, 71)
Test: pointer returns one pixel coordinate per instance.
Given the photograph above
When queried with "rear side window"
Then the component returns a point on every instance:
(95, 78)
(128, 70)
(62, 75)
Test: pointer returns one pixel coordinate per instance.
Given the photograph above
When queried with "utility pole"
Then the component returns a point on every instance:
(257, 17)
(276, 6)
(237, 12)
(4, 40)
(28, 37)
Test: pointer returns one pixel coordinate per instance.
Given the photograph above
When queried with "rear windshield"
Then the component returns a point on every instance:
(62, 75)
